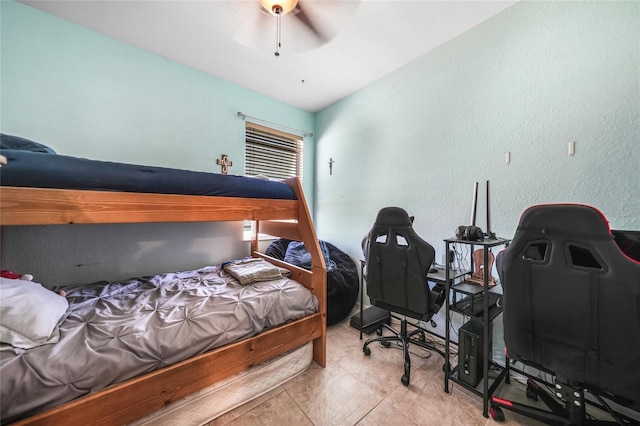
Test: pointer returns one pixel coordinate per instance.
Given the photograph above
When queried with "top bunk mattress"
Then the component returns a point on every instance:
(30, 164)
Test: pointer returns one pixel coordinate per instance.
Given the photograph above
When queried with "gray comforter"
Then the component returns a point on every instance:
(115, 331)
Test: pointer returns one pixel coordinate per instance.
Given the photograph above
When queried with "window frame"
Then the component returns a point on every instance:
(270, 141)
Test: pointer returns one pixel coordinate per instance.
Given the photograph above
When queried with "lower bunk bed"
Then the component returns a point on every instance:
(112, 332)
(190, 357)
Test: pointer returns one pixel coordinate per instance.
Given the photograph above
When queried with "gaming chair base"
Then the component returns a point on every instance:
(405, 338)
(572, 413)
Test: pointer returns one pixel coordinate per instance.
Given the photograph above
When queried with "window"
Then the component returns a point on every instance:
(272, 153)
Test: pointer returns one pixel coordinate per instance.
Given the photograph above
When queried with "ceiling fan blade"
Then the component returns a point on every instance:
(256, 29)
(302, 17)
(308, 26)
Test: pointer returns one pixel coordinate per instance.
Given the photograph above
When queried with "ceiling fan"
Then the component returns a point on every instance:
(306, 24)
(279, 8)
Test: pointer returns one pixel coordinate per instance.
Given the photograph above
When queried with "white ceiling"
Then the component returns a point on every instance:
(234, 41)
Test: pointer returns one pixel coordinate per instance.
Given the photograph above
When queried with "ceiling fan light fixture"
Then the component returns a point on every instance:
(279, 7)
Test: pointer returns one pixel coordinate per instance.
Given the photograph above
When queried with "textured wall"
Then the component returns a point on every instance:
(90, 96)
(528, 81)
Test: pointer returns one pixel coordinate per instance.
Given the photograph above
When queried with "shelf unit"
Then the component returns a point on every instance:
(484, 314)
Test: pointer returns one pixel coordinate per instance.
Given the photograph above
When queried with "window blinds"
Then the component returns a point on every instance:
(272, 153)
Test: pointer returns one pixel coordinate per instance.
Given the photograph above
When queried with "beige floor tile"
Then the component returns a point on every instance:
(384, 367)
(334, 397)
(381, 370)
(425, 403)
(341, 341)
(385, 415)
(233, 414)
(280, 410)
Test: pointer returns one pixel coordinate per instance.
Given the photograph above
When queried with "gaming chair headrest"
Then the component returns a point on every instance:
(393, 216)
(390, 218)
(565, 218)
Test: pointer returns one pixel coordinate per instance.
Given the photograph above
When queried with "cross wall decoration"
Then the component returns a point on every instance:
(225, 163)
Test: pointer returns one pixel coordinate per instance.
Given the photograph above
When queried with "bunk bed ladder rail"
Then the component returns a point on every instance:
(316, 279)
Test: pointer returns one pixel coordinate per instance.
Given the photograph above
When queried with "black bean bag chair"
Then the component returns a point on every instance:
(342, 274)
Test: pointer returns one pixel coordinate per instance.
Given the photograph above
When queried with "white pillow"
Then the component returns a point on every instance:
(29, 313)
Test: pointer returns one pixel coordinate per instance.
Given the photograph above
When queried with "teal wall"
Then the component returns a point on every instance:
(87, 95)
(528, 81)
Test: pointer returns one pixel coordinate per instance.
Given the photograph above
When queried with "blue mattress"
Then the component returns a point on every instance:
(42, 168)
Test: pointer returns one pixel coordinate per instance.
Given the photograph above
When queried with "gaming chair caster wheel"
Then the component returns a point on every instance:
(385, 344)
(405, 380)
(496, 414)
(422, 338)
(531, 394)
(366, 350)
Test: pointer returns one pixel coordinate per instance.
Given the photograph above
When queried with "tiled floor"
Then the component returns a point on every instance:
(355, 389)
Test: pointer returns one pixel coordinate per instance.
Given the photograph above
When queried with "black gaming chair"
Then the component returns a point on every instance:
(571, 309)
(397, 262)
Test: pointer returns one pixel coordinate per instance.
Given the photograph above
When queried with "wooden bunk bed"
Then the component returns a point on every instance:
(132, 399)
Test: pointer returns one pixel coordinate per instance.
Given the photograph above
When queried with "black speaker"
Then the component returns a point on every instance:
(469, 233)
(470, 351)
